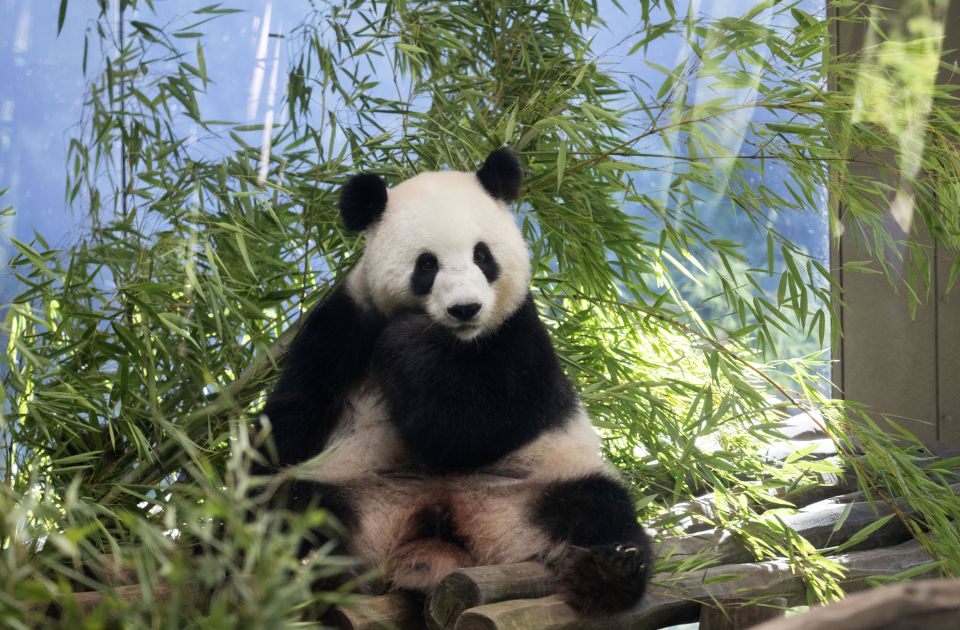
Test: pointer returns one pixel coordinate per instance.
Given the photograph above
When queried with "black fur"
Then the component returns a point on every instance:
(424, 272)
(562, 509)
(328, 357)
(608, 564)
(605, 579)
(302, 494)
(458, 405)
(362, 201)
(500, 175)
(483, 258)
(298, 495)
(436, 522)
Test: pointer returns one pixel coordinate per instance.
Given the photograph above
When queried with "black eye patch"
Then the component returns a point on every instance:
(424, 272)
(483, 258)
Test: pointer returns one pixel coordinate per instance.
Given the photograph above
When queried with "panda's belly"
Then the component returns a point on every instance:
(422, 526)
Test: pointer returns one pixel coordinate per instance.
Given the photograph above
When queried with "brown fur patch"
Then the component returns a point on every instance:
(420, 564)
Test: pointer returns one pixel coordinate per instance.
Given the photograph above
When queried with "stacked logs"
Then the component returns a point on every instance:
(519, 596)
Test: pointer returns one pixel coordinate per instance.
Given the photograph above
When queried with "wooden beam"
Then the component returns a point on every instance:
(820, 523)
(926, 605)
(396, 611)
(739, 614)
(704, 508)
(468, 588)
(45, 615)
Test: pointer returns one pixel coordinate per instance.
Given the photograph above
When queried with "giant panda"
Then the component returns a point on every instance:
(422, 402)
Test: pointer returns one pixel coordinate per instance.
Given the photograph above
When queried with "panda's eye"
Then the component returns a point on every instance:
(427, 262)
(481, 254)
(483, 258)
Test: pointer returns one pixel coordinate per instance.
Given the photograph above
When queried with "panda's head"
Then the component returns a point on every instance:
(443, 243)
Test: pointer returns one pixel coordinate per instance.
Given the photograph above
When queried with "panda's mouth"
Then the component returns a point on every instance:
(466, 330)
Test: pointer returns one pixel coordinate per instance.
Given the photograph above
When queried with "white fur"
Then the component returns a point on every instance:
(446, 214)
(492, 508)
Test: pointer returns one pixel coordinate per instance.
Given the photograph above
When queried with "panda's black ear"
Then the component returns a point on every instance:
(500, 174)
(362, 201)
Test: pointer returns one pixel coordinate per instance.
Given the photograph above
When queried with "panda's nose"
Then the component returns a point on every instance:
(464, 312)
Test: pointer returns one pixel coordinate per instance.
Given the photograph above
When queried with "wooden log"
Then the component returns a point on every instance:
(830, 485)
(476, 586)
(817, 522)
(88, 601)
(926, 605)
(780, 451)
(803, 426)
(820, 523)
(678, 600)
(545, 613)
(705, 506)
(739, 614)
(885, 561)
(85, 602)
(837, 486)
(797, 432)
(717, 545)
(394, 611)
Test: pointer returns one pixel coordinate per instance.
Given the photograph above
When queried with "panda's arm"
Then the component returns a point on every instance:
(329, 355)
(459, 406)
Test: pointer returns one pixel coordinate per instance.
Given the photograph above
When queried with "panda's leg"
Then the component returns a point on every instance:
(607, 557)
(300, 495)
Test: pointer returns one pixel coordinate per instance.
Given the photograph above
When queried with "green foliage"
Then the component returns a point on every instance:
(137, 355)
(236, 571)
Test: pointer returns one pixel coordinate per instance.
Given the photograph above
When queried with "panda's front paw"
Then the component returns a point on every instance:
(604, 579)
(412, 321)
(412, 333)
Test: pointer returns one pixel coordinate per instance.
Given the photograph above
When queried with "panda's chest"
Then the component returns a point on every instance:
(362, 443)
(365, 448)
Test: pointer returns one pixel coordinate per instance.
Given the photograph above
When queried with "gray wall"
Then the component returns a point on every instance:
(894, 363)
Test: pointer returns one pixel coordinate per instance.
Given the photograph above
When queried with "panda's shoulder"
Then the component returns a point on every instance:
(569, 450)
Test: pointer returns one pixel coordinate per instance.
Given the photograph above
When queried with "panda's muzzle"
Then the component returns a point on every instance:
(464, 312)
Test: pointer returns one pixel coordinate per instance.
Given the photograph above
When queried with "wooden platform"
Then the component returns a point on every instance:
(516, 597)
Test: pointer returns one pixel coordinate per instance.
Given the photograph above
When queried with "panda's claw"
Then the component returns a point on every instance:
(604, 579)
